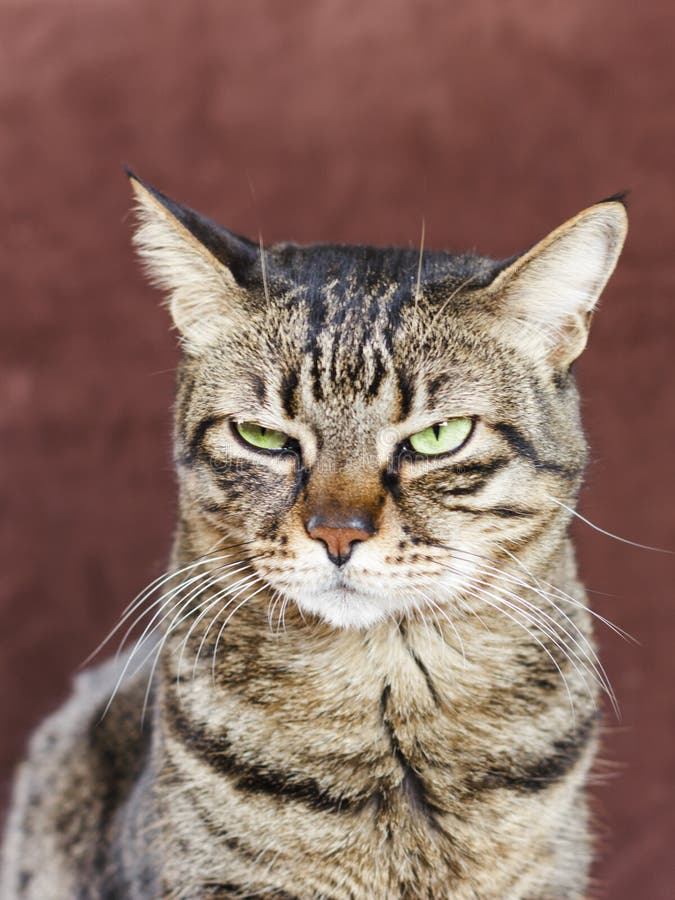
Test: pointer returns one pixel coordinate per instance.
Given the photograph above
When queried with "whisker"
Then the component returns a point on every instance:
(207, 578)
(226, 623)
(545, 594)
(282, 615)
(263, 268)
(586, 647)
(419, 265)
(199, 560)
(499, 607)
(504, 576)
(561, 637)
(609, 534)
(154, 585)
(549, 622)
(534, 617)
(203, 581)
(149, 629)
(452, 625)
(272, 605)
(572, 600)
(235, 591)
(169, 595)
(180, 617)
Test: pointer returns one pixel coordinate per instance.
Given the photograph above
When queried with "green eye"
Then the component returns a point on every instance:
(262, 438)
(442, 438)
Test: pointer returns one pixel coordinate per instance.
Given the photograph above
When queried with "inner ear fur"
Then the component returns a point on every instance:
(547, 296)
(206, 272)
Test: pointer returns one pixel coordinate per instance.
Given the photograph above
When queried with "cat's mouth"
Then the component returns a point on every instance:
(348, 582)
(342, 585)
(360, 593)
(345, 601)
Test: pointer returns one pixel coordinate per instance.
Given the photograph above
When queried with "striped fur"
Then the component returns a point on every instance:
(416, 723)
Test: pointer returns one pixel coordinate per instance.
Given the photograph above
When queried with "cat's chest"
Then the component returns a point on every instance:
(354, 716)
(380, 729)
(365, 756)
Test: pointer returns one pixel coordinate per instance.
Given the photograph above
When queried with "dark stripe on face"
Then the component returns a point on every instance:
(520, 445)
(542, 675)
(562, 379)
(259, 389)
(255, 777)
(390, 482)
(478, 473)
(532, 776)
(213, 509)
(184, 391)
(196, 438)
(433, 386)
(503, 512)
(289, 385)
(481, 468)
(540, 527)
(300, 482)
(405, 393)
(378, 375)
(317, 390)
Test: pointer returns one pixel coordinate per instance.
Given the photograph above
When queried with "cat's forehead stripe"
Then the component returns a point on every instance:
(288, 392)
(348, 336)
(406, 391)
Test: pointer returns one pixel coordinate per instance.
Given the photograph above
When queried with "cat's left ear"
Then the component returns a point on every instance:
(549, 293)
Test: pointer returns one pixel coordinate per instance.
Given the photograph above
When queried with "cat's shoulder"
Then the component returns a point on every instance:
(79, 765)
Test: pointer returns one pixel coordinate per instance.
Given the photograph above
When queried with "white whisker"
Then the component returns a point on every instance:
(561, 595)
(561, 638)
(147, 591)
(225, 624)
(499, 607)
(438, 609)
(418, 283)
(585, 647)
(263, 268)
(609, 534)
(272, 605)
(203, 581)
(235, 590)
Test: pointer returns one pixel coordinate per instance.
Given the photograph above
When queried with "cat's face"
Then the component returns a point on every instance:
(377, 428)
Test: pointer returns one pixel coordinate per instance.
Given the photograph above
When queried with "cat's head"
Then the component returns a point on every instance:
(377, 428)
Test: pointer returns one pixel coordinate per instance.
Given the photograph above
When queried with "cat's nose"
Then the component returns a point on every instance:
(339, 535)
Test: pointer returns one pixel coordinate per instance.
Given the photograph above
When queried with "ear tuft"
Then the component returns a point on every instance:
(551, 291)
(620, 197)
(193, 260)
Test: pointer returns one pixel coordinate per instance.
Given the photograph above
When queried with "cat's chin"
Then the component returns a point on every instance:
(343, 608)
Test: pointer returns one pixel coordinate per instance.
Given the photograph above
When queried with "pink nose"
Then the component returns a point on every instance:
(340, 539)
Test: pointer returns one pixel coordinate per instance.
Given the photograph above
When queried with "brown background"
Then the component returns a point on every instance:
(321, 120)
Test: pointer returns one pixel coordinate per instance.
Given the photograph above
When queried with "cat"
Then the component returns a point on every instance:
(375, 675)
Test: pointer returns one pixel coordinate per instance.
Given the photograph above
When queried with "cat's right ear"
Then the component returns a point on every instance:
(208, 274)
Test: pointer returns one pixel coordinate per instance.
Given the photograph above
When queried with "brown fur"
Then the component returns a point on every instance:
(416, 723)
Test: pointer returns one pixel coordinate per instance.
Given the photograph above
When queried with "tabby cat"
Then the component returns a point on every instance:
(369, 672)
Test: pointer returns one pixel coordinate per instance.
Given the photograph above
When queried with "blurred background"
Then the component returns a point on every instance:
(337, 120)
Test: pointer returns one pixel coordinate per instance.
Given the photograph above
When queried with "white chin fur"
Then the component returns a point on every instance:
(342, 609)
